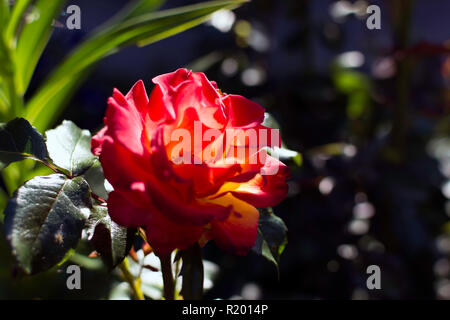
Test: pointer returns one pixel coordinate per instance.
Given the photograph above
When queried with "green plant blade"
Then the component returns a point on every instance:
(4, 102)
(47, 104)
(17, 14)
(32, 41)
(143, 6)
(134, 9)
(4, 13)
(44, 220)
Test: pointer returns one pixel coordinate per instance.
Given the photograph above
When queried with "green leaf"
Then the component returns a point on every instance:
(192, 272)
(4, 101)
(86, 262)
(33, 39)
(18, 141)
(357, 86)
(112, 241)
(134, 9)
(17, 14)
(270, 121)
(3, 201)
(348, 81)
(285, 154)
(70, 148)
(44, 220)
(4, 13)
(144, 29)
(272, 238)
(358, 103)
(96, 179)
(140, 6)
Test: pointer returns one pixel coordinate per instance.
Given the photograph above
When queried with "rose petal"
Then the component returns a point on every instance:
(165, 236)
(261, 190)
(122, 167)
(137, 97)
(97, 141)
(243, 112)
(179, 90)
(125, 123)
(238, 233)
(134, 209)
(128, 208)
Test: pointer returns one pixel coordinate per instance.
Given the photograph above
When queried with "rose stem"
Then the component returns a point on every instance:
(166, 268)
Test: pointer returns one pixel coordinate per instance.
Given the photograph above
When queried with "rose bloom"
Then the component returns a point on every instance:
(179, 204)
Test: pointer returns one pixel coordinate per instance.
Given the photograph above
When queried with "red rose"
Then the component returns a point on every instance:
(211, 193)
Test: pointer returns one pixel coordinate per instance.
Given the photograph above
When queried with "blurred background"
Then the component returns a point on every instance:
(367, 109)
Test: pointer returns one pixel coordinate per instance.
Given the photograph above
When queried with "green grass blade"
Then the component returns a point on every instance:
(45, 107)
(17, 14)
(32, 41)
(4, 103)
(134, 9)
(143, 6)
(4, 14)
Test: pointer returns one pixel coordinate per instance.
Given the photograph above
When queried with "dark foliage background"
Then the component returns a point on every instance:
(372, 126)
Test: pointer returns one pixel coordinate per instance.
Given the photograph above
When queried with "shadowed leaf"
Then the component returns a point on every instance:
(44, 220)
(272, 238)
(112, 241)
(18, 141)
